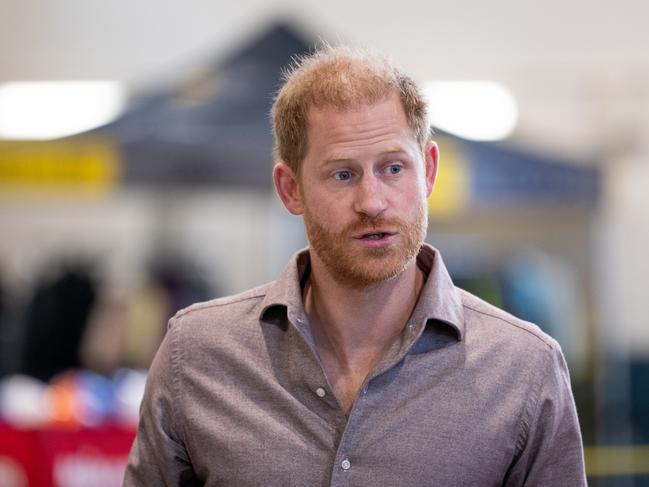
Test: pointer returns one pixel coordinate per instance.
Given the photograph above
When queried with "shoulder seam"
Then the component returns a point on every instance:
(528, 417)
(214, 304)
(176, 364)
(501, 318)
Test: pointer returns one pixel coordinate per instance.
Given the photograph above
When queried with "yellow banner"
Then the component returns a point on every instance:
(84, 164)
(452, 190)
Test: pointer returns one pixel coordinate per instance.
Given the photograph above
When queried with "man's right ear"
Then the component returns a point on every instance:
(288, 188)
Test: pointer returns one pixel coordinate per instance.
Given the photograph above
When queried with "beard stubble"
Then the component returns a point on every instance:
(356, 266)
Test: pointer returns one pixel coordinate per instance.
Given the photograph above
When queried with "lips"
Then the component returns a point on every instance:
(374, 235)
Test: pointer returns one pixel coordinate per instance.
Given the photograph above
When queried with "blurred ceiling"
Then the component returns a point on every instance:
(580, 70)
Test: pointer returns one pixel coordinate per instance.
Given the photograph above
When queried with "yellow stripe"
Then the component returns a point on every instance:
(451, 192)
(617, 460)
(87, 164)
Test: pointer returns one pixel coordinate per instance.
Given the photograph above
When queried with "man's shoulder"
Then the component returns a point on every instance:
(490, 323)
(237, 308)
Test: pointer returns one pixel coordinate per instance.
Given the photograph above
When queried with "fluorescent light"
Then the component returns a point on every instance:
(51, 109)
(477, 110)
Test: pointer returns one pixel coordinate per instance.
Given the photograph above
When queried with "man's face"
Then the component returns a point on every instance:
(363, 186)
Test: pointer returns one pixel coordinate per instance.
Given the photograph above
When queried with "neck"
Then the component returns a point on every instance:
(354, 327)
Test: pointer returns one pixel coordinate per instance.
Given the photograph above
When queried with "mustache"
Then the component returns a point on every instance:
(365, 222)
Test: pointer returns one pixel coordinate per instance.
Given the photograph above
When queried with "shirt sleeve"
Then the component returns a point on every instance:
(158, 455)
(551, 451)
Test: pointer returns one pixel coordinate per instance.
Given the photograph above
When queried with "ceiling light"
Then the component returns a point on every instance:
(39, 110)
(477, 110)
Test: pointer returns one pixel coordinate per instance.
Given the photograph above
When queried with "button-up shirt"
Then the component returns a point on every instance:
(467, 396)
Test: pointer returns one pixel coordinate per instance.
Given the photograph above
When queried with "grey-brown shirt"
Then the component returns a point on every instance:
(469, 396)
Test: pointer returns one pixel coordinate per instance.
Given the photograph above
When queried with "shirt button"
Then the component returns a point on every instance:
(345, 464)
(320, 392)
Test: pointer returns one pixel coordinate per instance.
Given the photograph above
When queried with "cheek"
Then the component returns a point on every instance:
(317, 205)
(324, 200)
(411, 194)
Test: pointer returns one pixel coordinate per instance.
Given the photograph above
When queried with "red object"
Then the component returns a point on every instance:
(64, 457)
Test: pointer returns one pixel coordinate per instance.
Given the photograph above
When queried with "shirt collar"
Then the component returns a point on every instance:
(286, 291)
(439, 299)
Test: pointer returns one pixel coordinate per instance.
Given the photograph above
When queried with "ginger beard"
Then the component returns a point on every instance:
(355, 266)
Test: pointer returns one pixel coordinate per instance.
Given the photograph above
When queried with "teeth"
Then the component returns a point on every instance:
(375, 236)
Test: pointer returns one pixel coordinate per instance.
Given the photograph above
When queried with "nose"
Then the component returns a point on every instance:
(370, 198)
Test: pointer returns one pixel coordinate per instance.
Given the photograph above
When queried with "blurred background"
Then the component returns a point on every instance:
(135, 164)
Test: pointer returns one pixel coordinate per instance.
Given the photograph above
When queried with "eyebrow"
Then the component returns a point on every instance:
(338, 158)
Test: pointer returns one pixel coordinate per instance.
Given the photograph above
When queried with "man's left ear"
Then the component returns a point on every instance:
(431, 154)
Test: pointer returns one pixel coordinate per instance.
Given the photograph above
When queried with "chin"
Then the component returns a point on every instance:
(368, 271)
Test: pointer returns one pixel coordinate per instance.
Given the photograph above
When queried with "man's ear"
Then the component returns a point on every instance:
(431, 153)
(288, 188)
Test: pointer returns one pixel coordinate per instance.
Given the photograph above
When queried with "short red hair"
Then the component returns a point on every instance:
(345, 79)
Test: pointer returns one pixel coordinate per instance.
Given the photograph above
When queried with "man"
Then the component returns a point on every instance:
(362, 365)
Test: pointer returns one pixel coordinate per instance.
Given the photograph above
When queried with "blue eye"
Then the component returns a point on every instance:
(394, 169)
(343, 175)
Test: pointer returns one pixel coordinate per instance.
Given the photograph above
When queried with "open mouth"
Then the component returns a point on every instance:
(374, 235)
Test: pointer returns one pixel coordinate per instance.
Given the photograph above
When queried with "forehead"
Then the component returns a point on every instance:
(361, 128)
